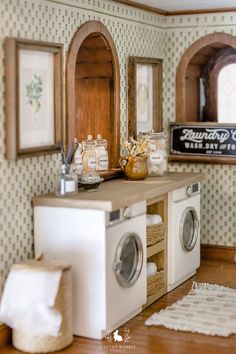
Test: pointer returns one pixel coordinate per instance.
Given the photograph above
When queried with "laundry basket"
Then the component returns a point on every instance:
(31, 343)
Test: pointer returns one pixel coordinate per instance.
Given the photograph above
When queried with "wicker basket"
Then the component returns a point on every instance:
(31, 343)
(156, 282)
(155, 233)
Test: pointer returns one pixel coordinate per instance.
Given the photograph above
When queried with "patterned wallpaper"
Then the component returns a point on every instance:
(136, 33)
(218, 203)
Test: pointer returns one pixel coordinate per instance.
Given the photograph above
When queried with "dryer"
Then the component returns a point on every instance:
(107, 251)
(183, 234)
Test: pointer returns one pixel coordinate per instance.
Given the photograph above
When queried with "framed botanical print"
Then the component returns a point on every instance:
(33, 97)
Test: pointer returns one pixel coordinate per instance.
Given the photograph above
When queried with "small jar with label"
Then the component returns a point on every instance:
(67, 182)
(78, 160)
(157, 159)
(101, 154)
(89, 155)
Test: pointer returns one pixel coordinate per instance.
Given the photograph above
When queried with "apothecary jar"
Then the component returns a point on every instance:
(157, 159)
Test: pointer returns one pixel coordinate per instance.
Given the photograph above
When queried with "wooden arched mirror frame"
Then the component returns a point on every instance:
(93, 88)
(195, 135)
(204, 53)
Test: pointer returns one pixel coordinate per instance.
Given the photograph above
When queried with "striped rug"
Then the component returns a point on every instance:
(208, 308)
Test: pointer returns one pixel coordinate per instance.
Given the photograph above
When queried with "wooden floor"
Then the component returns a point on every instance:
(145, 340)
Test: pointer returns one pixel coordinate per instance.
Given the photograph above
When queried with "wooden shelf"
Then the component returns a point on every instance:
(155, 297)
(157, 252)
(156, 248)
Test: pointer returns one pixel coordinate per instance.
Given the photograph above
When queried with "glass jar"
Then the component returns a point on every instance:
(157, 159)
(78, 160)
(67, 182)
(89, 155)
(101, 154)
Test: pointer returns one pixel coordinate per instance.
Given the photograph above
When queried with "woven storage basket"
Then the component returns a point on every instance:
(32, 343)
(155, 282)
(155, 233)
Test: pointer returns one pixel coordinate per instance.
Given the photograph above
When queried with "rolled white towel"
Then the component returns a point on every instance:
(154, 218)
(151, 269)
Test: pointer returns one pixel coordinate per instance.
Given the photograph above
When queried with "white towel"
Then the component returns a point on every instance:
(27, 301)
(151, 269)
(154, 219)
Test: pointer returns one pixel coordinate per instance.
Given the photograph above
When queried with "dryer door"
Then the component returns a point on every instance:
(189, 227)
(128, 259)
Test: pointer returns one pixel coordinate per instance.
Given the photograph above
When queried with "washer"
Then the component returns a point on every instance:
(183, 234)
(107, 252)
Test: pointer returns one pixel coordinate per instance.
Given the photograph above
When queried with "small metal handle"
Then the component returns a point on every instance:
(189, 191)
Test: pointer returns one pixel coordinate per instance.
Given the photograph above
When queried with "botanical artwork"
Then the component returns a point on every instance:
(144, 98)
(36, 99)
(34, 92)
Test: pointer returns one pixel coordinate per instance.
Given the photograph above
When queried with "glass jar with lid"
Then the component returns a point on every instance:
(101, 153)
(89, 154)
(157, 159)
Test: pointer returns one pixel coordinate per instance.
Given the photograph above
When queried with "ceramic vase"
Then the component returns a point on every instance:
(134, 167)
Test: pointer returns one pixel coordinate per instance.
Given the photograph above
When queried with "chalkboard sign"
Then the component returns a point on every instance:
(203, 140)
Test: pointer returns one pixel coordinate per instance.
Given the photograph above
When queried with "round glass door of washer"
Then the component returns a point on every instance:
(128, 259)
(189, 227)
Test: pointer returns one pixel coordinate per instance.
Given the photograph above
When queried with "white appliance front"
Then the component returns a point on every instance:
(183, 236)
(126, 270)
(80, 237)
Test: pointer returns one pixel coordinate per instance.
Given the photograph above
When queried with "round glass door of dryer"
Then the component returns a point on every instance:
(128, 260)
(189, 227)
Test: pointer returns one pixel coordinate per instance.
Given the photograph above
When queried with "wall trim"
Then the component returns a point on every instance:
(174, 13)
(142, 6)
(200, 11)
(5, 335)
(218, 253)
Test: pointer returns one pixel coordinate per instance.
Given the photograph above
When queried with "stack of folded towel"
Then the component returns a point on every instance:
(151, 269)
(153, 219)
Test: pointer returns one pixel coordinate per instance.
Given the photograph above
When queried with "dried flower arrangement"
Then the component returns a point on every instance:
(139, 147)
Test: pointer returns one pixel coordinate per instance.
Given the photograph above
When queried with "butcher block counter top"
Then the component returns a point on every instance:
(118, 193)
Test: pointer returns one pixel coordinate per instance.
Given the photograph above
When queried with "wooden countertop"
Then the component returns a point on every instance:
(118, 193)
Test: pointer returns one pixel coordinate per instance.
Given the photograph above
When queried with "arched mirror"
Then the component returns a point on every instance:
(205, 128)
(93, 88)
(206, 81)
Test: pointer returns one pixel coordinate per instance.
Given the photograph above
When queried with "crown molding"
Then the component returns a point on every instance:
(141, 6)
(174, 13)
(200, 11)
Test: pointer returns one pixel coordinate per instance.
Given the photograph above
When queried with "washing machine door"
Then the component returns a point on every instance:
(189, 227)
(128, 259)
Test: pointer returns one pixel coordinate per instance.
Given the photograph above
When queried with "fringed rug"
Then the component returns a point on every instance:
(209, 309)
